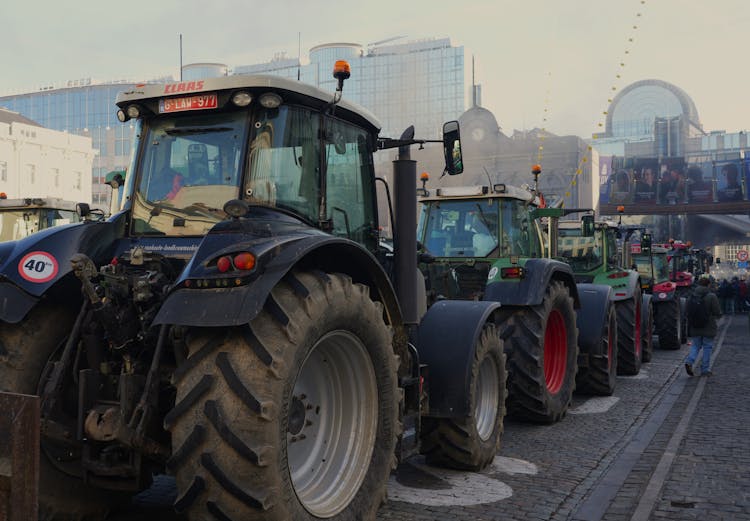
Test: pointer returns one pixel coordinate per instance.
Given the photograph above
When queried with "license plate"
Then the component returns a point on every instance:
(199, 102)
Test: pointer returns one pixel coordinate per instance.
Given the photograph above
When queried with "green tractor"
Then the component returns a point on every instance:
(484, 243)
(593, 256)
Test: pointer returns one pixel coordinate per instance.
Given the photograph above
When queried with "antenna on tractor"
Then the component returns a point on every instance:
(489, 179)
(299, 54)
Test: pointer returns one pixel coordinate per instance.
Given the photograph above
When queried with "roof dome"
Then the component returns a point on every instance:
(633, 111)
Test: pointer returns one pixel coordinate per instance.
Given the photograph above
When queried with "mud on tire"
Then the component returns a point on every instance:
(542, 356)
(601, 375)
(293, 416)
(25, 349)
(629, 335)
(471, 443)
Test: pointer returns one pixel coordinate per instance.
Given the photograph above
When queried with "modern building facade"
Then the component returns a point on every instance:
(39, 162)
(416, 83)
(419, 83)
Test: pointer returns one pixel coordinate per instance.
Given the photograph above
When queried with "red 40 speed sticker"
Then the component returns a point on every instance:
(38, 266)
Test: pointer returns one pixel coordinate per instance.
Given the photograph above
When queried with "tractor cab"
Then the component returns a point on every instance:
(468, 230)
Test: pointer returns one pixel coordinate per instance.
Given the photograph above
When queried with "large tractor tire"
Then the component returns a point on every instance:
(293, 416)
(668, 324)
(471, 443)
(601, 374)
(629, 335)
(25, 349)
(542, 357)
(683, 321)
(647, 335)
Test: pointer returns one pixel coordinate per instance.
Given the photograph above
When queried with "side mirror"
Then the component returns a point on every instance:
(454, 162)
(587, 225)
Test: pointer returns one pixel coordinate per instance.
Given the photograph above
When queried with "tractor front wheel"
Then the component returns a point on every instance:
(601, 374)
(293, 416)
(629, 335)
(471, 443)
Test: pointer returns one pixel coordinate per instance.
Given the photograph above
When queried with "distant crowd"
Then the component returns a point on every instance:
(733, 296)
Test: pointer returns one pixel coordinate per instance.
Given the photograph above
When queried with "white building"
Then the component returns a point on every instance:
(39, 162)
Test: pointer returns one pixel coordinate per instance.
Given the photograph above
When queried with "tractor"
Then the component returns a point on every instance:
(20, 218)
(484, 244)
(651, 262)
(237, 324)
(595, 260)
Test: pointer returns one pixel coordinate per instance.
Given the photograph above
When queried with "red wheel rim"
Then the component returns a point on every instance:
(555, 351)
(637, 335)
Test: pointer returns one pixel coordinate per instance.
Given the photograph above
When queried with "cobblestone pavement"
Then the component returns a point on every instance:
(665, 446)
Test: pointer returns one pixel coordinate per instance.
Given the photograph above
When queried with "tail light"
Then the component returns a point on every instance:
(244, 261)
(516, 272)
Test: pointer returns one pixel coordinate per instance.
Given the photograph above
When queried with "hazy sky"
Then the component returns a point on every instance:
(545, 63)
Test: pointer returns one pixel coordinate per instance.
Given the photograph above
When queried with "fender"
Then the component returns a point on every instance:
(624, 287)
(32, 266)
(663, 292)
(275, 257)
(592, 315)
(530, 290)
(447, 340)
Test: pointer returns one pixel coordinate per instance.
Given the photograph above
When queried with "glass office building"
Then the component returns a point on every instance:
(416, 83)
(86, 109)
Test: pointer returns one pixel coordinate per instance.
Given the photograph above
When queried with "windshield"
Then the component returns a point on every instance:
(582, 253)
(661, 267)
(681, 261)
(477, 228)
(190, 167)
(460, 228)
(20, 223)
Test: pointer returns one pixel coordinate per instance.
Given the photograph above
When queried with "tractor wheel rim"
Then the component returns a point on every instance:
(488, 395)
(555, 351)
(330, 446)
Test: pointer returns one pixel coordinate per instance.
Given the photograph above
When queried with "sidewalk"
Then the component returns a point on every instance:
(709, 475)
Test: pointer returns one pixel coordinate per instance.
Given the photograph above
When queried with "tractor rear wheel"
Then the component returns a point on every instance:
(293, 416)
(629, 335)
(471, 443)
(25, 350)
(542, 357)
(647, 335)
(683, 321)
(601, 374)
(668, 324)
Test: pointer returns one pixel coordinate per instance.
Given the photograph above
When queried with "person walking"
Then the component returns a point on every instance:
(702, 310)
